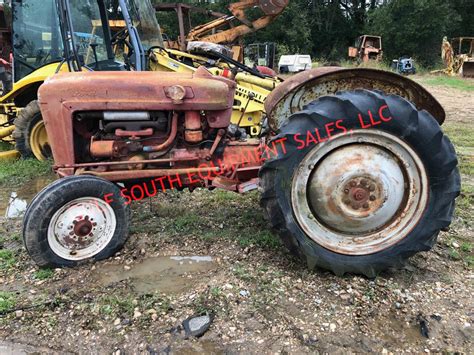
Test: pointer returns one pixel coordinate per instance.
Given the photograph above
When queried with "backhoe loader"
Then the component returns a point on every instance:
(38, 55)
(354, 171)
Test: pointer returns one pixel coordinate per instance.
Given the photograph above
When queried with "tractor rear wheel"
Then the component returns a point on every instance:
(30, 134)
(70, 222)
(360, 193)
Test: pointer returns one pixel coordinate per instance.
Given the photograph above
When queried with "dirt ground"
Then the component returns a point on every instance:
(262, 299)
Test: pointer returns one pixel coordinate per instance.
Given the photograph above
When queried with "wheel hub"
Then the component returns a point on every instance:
(81, 228)
(360, 193)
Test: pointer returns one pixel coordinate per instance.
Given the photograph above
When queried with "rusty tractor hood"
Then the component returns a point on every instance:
(142, 90)
(64, 94)
(293, 94)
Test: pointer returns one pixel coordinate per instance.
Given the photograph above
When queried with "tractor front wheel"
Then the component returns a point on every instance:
(69, 222)
(30, 134)
(364, 181)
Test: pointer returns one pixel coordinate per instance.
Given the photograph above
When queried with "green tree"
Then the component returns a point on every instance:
(414, 28)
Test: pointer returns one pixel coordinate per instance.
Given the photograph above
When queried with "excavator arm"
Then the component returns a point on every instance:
(270, 8)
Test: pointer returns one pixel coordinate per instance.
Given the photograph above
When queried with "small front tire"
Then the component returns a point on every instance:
(70, 222)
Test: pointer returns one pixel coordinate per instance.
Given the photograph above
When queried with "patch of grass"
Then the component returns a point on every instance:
(43, 274)
(7, 301)
(106, 309)
(454, 254)
(452, 82)
(216, 291)
(4, 146)
(465, 203)
(7, 259)
(460, 134)
(262, 238)
(242, 273)
(21, 170)
(124, 306)
(114, 304)
(466, 247)
(187, 222)
(224, 196)
(6, 239)
(470, 261)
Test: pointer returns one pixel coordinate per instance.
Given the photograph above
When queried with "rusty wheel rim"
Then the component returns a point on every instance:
(359, 193)
(81, 229)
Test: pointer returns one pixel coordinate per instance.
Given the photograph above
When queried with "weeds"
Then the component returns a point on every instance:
(262, 238)
(5, 146)
(124, 306)
(452, 82)
(43, 274)
(7, 259)
(22, 170)
(466, 247)
(187, 223)
(119, 305)
(7, 301)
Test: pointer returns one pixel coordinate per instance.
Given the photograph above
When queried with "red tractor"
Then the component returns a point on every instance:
(354, 171)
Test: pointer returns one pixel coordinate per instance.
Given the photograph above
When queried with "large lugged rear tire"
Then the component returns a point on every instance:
(70, 222)
(360, 193)
(30, 133)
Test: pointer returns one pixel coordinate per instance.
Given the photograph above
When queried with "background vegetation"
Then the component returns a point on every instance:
(325, 28)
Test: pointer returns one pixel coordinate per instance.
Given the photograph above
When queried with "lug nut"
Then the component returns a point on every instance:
(372, 198)
(352, 183)
(372, 187)
(363, 182)
(346, 191)
(365, 205)
(347, 202)
(354, 206)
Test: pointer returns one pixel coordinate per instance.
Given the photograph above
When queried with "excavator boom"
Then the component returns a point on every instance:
(270, 8)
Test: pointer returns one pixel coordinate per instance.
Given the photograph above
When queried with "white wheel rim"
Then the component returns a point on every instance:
(82, 228)
(359, 193)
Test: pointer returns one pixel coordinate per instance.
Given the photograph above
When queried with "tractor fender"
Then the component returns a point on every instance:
(295, 93)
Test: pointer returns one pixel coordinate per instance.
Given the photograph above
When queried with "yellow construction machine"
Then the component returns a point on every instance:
(458, 56)
(38, 54)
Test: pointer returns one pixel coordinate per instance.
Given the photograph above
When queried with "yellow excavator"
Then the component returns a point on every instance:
(37, 54)
(458, 56)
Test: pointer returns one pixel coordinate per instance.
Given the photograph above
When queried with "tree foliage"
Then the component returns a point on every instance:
(414, 27)
(325, 28)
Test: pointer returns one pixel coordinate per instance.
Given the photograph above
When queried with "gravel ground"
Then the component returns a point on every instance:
(261, 298)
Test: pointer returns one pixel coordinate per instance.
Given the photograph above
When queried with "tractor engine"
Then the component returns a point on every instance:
(159, 124)
(138, 135)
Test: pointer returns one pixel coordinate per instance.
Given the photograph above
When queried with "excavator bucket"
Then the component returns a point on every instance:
(468, 69)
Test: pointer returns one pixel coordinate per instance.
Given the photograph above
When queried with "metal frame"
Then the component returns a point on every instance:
(67, 28)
